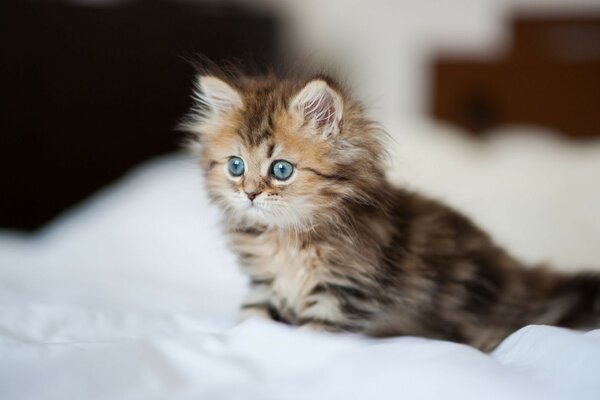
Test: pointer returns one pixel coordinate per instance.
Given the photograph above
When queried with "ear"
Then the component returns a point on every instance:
(217, 95)
(319, 105)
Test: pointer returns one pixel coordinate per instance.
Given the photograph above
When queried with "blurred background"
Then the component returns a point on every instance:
(92, 88)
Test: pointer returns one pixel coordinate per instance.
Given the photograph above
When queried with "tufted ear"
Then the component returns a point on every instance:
(217, 95)
(319, 106)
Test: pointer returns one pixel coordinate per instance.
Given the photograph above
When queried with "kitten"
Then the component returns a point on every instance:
(329, 244)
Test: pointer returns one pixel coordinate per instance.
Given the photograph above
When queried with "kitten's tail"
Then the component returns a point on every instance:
(571, 301)
(584, 288)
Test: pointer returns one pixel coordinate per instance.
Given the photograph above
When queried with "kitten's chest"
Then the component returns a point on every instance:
(292, 271)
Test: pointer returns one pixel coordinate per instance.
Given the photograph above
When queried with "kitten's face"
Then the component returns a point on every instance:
(275, 158)
(272, 182)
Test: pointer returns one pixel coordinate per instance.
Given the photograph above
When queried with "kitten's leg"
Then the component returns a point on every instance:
(321, 326)
(257, 303)
(334, 308)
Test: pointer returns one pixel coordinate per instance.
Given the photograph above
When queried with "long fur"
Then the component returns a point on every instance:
(338, 248)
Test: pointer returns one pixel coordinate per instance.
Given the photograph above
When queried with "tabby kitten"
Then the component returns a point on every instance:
(330, 244)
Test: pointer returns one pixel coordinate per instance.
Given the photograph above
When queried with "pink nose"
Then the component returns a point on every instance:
(252, 195)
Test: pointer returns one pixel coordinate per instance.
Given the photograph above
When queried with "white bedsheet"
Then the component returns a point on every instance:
(134, 295)
(262, 360)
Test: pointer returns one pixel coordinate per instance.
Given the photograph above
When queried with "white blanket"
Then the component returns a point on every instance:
(134, 295)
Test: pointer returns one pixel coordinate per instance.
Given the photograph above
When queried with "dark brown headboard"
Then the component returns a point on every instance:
(550, 76)
(88, 92)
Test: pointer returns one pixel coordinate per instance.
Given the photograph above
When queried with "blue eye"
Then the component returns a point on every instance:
(235, 166)
(282, 170)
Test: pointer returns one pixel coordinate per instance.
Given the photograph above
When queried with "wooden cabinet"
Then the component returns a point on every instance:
(549, 77)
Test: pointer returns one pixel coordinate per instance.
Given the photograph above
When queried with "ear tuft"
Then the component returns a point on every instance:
(318, 104)
(217, 95)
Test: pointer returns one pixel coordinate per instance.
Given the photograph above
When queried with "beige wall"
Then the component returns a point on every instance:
(384, 45)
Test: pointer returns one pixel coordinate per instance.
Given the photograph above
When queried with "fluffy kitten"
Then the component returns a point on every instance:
(329, 244)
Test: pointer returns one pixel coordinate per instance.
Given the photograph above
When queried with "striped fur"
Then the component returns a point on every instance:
(336, 247)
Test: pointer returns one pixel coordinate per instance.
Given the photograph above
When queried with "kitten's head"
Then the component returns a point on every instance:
(283, 153)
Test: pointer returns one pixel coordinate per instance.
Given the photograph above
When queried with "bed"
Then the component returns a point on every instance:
(133, 293)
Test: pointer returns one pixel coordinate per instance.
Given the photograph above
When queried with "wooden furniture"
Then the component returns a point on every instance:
(90, 91)
(550, 77)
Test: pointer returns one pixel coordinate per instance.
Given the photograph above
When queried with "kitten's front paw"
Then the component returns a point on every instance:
(247, 313)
